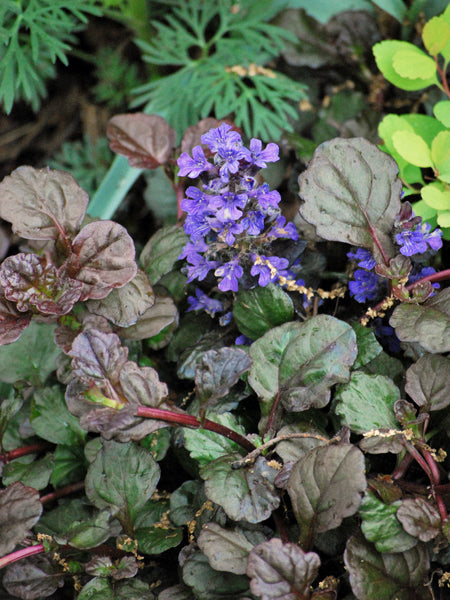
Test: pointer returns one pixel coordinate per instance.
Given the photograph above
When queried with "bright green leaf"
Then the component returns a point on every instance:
(437, 195)
(412, 148)
(435, 35)
(51, 419)
(442, 112)
(385, 52)
(440, 154)
(408, 63)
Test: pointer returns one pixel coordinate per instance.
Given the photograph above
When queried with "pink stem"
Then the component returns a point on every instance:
(23, 451)
(65, 491)
(20, 554)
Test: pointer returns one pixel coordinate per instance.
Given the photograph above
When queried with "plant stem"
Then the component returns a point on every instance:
(185, 420)
(20, 554)
(24, 451)
(65, 491)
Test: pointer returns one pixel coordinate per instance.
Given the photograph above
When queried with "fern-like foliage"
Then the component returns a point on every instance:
(33, 35)
(219, 50)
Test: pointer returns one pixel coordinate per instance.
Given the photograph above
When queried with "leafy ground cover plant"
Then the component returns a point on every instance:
(206, 421)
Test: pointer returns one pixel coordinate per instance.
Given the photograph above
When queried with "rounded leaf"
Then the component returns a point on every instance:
(384, 53)
(412, 148)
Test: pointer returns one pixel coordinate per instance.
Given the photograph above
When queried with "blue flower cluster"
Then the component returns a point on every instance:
(413, 238)
(233, 219)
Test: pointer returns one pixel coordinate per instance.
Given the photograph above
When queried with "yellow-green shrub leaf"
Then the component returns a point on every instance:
(436, 195)
(412, 65)
(440, 155)
(442, 112)
(435, 35)
(384, 53)
(412, 148)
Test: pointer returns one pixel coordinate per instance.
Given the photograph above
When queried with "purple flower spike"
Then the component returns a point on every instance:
(230, 272)
(221, 137)
(365, 258)
(192, 167)
(411, 242)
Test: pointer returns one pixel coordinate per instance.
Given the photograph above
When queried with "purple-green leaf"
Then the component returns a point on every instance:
(32, 578)
(42, 204)
(245, 494)
(217, 371)
(402, 575)
(419, 518)
(281, 571)
(427, 323)
(20, 509)
(31, 281)
(12, 322)
(124, 305)
(325, 487)
(97, 357)
(225, 549)
(163, 314)
(103, 258)
(147, 141)
(428, 382)
(351, 193)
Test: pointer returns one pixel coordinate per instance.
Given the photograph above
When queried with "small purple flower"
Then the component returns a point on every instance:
(197, 226)
(229, 230)
(259, 157)
(221, 137)
(267, 199)
(433, 239)
(416, 241)
(192, 167)
(200, 266)
(204, 302)
(229, 206)
(365, 258)
(253, 222)
(243, 340)
(264, 271)
(230, 272)
(228, 158)
(365, 285)
(281, 229)
(196, 202)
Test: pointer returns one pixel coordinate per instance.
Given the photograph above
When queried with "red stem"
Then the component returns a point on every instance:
(65, 491)
(400, 471)
(20, 554)
(439, 276)
(377, 243)
(23, 451)
(443, 77)
(191, 421)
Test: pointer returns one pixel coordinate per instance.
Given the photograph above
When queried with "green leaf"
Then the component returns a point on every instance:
(325, 487)
(294, 449)
(381, 526)
(385, 53)
(280, 570)
(258, 310)
(208, 584)
(351, 193)
(205, 446)
(69, 465)
(408, 63)
(440, 154)
(90, 532)
(412, 148)
(36, 474)
(368, 345)
(185, 502)
(32, 357)
(56, 521)
(402, 575)
(427, 323)
(366, 402)
(435, 35)
(162, 251)
(442, 112)
(153, 530)
(160, 318)
(301, 361)
(437, 195)
(122, 477)
(51, 419)
(225, 549)
(244, 494)
(428, 380)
